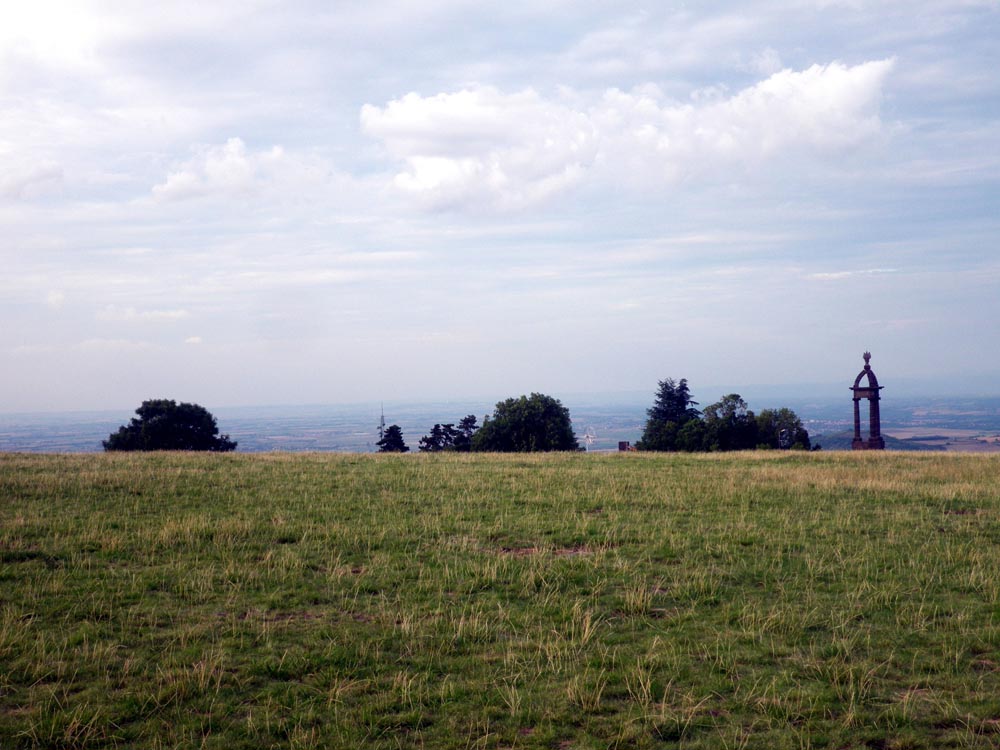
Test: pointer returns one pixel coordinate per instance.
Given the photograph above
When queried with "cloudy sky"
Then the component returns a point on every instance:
(240, 203)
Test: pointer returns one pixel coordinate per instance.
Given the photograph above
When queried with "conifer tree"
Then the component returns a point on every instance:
(672, 409)
(392, 441)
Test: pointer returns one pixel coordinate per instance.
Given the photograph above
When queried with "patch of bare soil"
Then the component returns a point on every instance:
(518, 551)
(574, 551)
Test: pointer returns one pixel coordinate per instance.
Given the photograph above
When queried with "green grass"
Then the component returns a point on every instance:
(760, 600)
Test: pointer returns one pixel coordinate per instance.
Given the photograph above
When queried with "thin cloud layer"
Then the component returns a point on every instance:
(32, 182)
(114, 313)
(481, 145)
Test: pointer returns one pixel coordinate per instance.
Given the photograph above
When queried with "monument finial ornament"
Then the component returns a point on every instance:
(867, 356)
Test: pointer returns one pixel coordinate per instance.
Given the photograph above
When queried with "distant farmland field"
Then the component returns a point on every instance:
(758, 600)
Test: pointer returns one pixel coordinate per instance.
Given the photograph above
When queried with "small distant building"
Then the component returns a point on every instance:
(625, 445)
(870, 392)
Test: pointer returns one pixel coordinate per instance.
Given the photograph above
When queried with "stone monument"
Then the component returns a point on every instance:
(870, 392)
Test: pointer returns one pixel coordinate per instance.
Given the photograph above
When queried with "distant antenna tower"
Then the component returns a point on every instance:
(381, 424)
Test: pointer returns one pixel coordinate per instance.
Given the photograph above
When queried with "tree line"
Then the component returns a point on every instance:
(673, 424)
(540, 423)
(524, 424)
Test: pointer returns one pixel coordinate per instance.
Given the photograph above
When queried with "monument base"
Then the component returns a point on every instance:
(875, 444)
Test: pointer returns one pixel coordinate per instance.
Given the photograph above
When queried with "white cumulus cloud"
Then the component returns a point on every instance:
(219, 169)
(483, 146)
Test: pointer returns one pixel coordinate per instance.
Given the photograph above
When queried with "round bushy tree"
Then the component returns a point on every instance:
(730, 425)
(165, 425)
(781, 428)
(527, 424)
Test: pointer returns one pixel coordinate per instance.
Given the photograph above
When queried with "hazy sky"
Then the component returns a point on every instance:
(313, 202)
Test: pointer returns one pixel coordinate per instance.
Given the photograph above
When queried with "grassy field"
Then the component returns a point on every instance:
(451, 601)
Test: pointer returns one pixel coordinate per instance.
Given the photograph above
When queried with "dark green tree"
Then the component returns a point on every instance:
(392, 440)
(441, 438)
(691, 437)
(165, 425)
(658, 436)
(527, 424)
(467, 429)
(670, 412)
(447, 437)
(730, 425)
(782, 429)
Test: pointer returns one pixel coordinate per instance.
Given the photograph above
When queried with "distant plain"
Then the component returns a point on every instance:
(955, 424)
